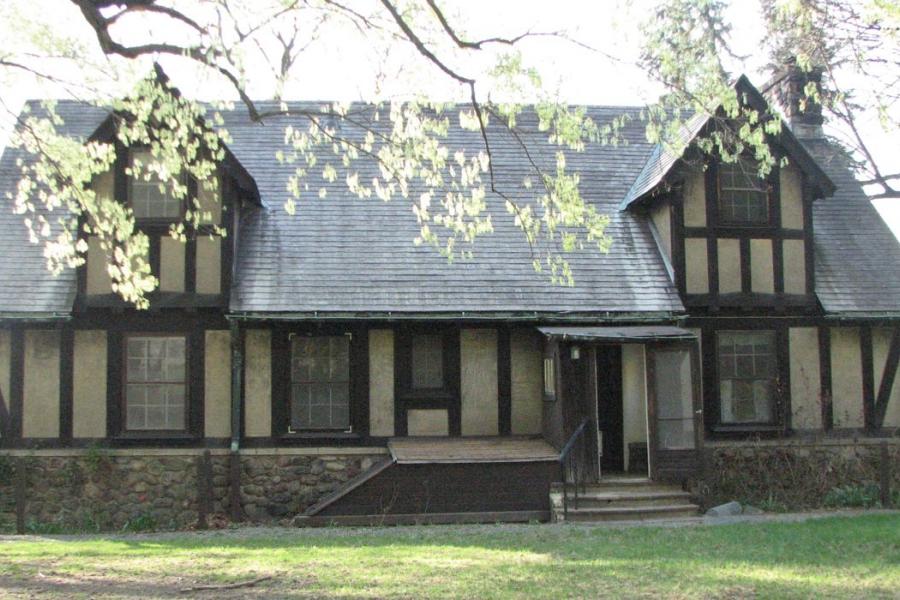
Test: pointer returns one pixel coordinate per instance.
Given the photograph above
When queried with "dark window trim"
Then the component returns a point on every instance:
(281, 382)
(195, 335)
(781, 422)
(446, 398)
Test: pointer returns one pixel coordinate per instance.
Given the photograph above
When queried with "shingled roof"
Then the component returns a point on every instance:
(857, 255)
(342, 256)
(348, 256)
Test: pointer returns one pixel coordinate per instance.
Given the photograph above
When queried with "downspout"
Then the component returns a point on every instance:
(237, 393)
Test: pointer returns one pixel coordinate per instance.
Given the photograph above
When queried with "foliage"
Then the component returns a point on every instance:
(849, 557)
(7, 470)
(686, 47)
(96, 458)
(865, 495)
(139, 523)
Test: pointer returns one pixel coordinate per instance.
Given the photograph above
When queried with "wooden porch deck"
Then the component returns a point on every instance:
(444, 450)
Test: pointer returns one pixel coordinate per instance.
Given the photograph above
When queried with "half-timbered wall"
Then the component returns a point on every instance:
(193, 266)
(719, 265)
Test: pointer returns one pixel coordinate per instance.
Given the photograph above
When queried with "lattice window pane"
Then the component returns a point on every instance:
(743, 196)
(427, 361)
(320, 383)
(156, 383)
(150, 199)
(746, 376)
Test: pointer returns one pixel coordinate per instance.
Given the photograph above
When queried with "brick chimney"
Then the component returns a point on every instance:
(788, 86)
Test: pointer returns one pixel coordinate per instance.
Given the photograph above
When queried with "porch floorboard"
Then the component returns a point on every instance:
(429, 450)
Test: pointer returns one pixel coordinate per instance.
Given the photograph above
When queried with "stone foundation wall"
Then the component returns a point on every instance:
(791, 474)
(109, 489)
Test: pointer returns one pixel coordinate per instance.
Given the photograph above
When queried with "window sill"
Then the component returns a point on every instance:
(320, 435)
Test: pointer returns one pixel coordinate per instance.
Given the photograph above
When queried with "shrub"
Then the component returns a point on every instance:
(139, 523)
(867, 495)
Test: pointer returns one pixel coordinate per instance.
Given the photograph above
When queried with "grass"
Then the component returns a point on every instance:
(835, 557)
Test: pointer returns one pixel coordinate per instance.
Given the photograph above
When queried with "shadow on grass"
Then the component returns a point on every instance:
(835, 557)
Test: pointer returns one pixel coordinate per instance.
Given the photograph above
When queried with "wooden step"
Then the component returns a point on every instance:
(421, 519)
(608, 499)
(633, 513)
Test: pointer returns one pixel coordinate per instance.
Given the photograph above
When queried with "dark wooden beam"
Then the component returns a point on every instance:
(16, 383)
(887, 379)
(825, 378)
(504, 382)
(868, 376)
(66, 383)
(237, 383)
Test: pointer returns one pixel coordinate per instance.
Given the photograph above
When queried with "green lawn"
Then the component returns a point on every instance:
(835, 557)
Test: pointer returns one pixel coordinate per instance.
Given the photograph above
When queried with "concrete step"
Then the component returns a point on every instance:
(632, 513)
(606, 499)
(624, 488)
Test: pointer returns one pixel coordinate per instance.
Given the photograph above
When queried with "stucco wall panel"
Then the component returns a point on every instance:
(478, 385)
(881, 342)
(791, 198)
(40, 406)
(846, 377)
(258, 383)
(634, 395)
(381, 382)
(427, 422)
(695, 200)
(527, 378)
(209, 265)
(762, 274)
(171, 264)
(794, 267)
(89, 384)
(696, 266)
(662, 219)
(217, 387)
(806, 406)
(729, 251)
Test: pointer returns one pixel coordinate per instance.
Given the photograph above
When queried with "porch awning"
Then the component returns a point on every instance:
(640, 333)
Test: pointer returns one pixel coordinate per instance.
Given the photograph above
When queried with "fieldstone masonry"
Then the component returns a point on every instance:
(105, 490)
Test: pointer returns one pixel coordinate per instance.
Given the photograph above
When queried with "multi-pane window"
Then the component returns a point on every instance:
(427, 361)
(746, 376)
(155, 383)
(320, 383)
(149, 198)
(743, 196)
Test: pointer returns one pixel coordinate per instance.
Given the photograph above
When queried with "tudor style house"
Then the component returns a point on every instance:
(321, 365)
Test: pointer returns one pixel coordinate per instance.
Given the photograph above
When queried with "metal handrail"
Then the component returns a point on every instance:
(565, 456)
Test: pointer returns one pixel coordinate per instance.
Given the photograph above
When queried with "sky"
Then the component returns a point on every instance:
(343, 66)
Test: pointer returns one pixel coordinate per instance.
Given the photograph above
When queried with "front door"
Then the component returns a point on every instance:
(610, 414)
(675, 413)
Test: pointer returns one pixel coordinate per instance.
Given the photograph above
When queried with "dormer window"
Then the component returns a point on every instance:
(149, 199)
(743, 196)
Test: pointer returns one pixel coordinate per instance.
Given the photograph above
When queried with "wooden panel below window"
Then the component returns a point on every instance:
(427, 422)
(171, 264)
(696, 266)
(729, 251)
(794, 267)
(209, 265)
(97, 275)
(762, 274)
